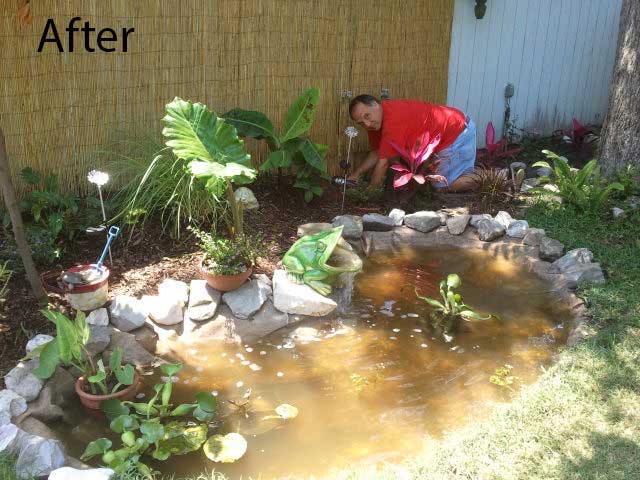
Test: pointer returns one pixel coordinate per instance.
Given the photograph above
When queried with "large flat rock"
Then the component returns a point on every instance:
(292, 298)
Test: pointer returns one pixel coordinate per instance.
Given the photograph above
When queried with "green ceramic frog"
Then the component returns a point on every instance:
(319, 259)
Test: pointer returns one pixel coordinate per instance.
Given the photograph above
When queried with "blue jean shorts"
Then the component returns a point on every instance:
(459, 157)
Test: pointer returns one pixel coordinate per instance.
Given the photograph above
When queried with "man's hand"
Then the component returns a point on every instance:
(437, 178)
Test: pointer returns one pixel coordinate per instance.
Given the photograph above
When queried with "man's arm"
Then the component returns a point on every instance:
(379, 173)
(368, 164)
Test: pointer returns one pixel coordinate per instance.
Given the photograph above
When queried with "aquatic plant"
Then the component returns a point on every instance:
(452, 305)
(502, 377)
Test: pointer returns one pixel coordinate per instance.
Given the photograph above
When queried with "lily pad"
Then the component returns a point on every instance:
(287, 411)
(225, 448)
(180, 439)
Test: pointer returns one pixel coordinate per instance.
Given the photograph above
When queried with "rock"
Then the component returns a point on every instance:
(533, 236)
(36, 341)
(489, 230)
(551, 187)
(376, 222)
(264, 278)
(312, 228)
(504, 219)
(543, 172)
(132, 352)
(456, 225)
(247, 300)
(166, 332)
(352, 225)
(518, 229)
(174, 289)
(98, 317)
(62, 385)
(39, 457)
(528, 184)
(633, 202)
(423, 221)
(550, 249)
(165, 310)
(397, 216)
(515, 166)
(617, 212)
(305, 335)
(68, 473)
(246, 197)
(584, 273)
(572, 258)
(266, 321)
(200, 313)
(289, 297)
(37, 428)
(443, 217)
(146, 337)
(203, 301)
(11, 439)
(44, 408)
(11, 405)
(127, 313)
(22, 381)
(475, 219)
(374, 242)
(99, 338)
(222, 329)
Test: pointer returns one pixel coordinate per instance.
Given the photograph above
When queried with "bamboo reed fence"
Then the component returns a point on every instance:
(60, 110)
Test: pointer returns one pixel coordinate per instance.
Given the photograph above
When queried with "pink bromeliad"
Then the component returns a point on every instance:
(413, 159)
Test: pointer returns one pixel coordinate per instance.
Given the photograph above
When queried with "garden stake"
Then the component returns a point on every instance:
(113, 233)
(349, 132)
(99, 179)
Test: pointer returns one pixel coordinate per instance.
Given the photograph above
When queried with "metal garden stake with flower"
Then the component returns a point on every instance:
(350, 132)
(414, 159)
(100, 179)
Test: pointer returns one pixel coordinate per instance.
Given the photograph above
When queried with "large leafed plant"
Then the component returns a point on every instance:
(212, 148)
(290, 148)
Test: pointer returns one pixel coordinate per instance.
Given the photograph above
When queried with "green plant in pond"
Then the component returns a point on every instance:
(583, 188)
(291, 148)
(502, 377)
(159, 429)
(69, 348)
(452, 305)
(212, 149)
(224, 256)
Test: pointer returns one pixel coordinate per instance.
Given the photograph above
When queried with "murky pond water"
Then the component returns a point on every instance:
(374, 382)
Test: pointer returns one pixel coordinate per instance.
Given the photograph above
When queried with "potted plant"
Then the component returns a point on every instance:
(97, 383)
(227, 262)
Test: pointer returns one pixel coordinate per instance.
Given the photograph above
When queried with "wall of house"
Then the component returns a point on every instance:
(558, 54)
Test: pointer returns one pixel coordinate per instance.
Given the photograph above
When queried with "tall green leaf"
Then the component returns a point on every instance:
(49, 360)
(300, 115)
(250, 123)
(311, 155)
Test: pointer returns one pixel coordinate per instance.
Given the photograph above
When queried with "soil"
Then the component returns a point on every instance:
(151, 257)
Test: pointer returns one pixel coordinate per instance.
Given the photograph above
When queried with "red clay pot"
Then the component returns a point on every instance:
(92, 402)
(225, 283)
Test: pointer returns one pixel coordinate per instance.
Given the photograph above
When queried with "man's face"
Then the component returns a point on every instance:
(368, 117)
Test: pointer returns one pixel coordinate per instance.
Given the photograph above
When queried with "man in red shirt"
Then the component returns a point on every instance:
(392, 123)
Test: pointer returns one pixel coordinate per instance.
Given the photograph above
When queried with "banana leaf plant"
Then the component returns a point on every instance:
(212, 148)
(494, 151)
(290, 148)
(414, 159)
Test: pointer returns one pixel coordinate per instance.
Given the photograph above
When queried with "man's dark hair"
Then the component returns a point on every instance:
(368, 100)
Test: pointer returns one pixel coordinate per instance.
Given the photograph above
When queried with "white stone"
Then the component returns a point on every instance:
(132, 351)
(202, 294)
(39, 457)
(247, 300)
(617, 212)
(550, 249)
(22, 381)
(98, 317)
(456, 225)
(572, 258)
(584, 273)
(504, 219)
(543, 172)
(68, 473)
(174, 289)
(528, 184)
(551, 187)
(11, 439)
(267, 320)
(397, 216)
(424, 221)
(489, 230)
(533, 236)
(298, 299)
(99, 338)
(38, 340)
(246, 197)
(165, 310)
(11, 403)
(518, 229)
(475, 219)
(352, 225)
(127, 313)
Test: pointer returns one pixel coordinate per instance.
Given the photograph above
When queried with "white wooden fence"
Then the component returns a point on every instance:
(558, 54)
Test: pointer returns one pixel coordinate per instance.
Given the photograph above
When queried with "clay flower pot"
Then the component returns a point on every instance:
(92, 402)
(225, 283)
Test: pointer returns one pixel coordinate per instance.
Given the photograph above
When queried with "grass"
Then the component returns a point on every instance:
(7, 467)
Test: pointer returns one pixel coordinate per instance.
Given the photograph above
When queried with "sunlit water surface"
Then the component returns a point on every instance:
(377, 380)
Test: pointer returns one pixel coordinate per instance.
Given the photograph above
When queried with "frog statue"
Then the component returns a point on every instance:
(319, 259)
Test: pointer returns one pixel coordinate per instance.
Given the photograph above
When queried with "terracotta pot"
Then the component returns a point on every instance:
(225, 283)
(92, 402)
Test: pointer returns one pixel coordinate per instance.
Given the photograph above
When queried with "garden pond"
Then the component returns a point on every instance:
(373, 382)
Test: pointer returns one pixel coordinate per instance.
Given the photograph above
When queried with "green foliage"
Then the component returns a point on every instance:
(502, 377)
(452, 304)
(157, 428)
(362, 193)
(5, 276)
(224, 256)
(69, 348)
(493, 187)
(291, 148)
(583, 188)
(629, 178)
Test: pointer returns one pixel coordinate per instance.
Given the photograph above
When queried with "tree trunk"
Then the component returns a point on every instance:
(16, 222)
(620, 138)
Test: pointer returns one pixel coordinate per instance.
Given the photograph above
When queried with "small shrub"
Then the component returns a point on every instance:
(493, 187)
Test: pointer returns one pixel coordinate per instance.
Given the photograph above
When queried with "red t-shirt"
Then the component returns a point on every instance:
(403, 121)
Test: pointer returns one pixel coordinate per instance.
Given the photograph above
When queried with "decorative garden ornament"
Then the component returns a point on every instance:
(319, 259)
(350, 132)
(99, 179)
